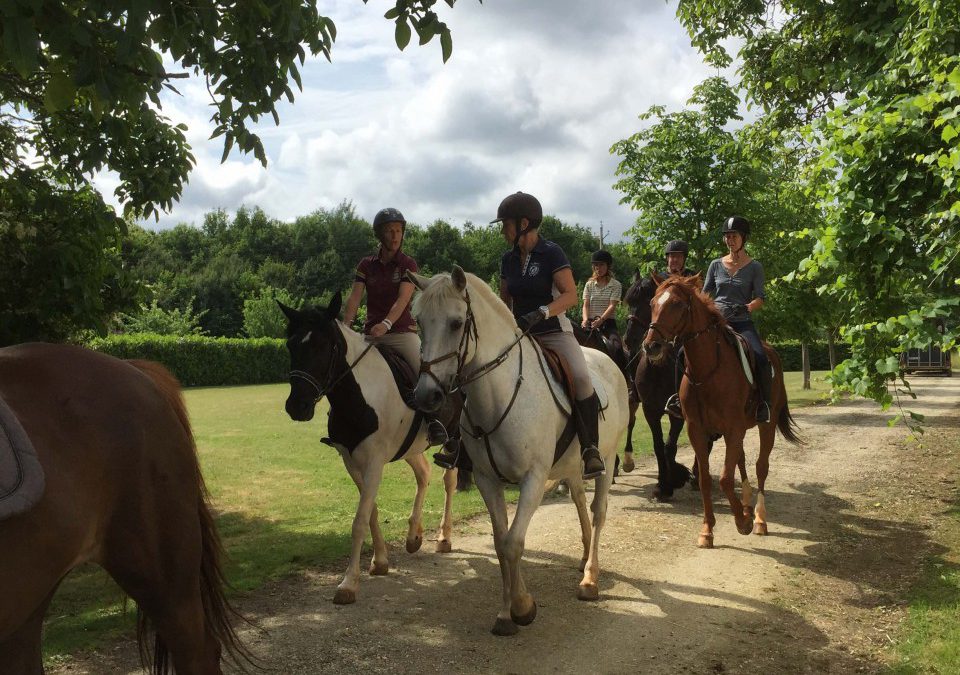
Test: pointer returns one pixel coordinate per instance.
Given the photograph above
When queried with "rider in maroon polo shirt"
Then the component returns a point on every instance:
(382, 277)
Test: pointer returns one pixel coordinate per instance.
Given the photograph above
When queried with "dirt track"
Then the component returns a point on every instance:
(851, 515)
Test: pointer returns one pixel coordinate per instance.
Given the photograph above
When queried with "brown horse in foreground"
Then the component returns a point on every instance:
(716, 397)
(124, 490)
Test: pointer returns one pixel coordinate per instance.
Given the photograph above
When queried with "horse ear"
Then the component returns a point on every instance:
(458, 277)
(656, 278)
(637, 275)
(291, 314)
(697, 281)
(333, 309)
(417, 280)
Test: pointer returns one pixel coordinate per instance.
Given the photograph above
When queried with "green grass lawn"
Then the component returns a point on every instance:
(283, 499)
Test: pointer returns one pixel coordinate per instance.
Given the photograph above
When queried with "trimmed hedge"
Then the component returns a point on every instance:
(209, 362)
(204, 361)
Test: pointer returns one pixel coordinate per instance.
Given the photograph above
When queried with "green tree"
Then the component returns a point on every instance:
(438, 248)
(155, 319)
(262, 316)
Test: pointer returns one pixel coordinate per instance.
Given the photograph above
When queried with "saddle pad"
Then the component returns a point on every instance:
(560, 393)
(21, 476)
(744, 360)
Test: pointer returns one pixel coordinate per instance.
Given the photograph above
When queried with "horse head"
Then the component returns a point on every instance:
(638, 299)
(317, 355)
(445, 317)
(671, 316)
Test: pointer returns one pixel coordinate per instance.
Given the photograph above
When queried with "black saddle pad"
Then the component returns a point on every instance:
(403, 374)
(21, 476)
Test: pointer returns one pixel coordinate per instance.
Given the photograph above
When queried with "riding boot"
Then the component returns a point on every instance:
(765, 383)
(588, 431)
(672, 406)
(449, 455)
(450, 452)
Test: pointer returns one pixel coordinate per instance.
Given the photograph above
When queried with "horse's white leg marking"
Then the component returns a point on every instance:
(421, 470)
(746, 494)
(444, 544)
(371, 477)
(579, 498)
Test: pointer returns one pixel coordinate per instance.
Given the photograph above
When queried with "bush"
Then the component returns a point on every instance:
(155, 319)
(205, 361)
(262, 316)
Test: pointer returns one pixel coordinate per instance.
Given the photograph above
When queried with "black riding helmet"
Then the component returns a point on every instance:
(677, 246)
(384, 216)
(602, 257)
(517, 206)
(737, 224)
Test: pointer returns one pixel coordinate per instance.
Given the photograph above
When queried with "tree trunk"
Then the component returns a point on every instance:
(831, 349)
(805, 359)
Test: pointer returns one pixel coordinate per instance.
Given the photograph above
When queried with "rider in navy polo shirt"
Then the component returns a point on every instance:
(536, 282)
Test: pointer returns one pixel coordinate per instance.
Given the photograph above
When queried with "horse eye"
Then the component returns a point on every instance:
(456, 324)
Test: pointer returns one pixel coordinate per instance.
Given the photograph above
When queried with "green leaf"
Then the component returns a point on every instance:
(402, 34)
(59, 93)
(21, 43)
(949, 133)
(446, 44)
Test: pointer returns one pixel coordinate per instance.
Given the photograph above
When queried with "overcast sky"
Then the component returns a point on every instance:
(533, 97)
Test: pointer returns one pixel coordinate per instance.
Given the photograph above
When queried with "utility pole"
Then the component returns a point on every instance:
(601, 234)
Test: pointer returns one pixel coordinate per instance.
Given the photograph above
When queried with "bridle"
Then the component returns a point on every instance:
(320, 389)
(681, 339)
(460, 353)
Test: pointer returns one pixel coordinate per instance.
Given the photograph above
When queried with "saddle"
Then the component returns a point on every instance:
(403, 374)
(562, 381)
(748, 360)
(21, 475)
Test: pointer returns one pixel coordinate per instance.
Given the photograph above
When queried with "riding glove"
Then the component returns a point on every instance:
(529, 320)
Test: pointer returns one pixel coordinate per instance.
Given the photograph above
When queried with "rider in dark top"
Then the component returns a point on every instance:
(675, 253)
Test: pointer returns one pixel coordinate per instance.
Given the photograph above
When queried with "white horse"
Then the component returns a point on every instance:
(511, 422)
(367, 425)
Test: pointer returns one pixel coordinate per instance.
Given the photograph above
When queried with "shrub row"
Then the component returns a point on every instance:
(205, 361)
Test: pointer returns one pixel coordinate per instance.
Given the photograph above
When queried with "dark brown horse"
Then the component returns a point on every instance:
(716, 397)
(651, 385)
(123, 490)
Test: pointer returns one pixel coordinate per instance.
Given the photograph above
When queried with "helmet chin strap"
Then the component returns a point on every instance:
(520, 233)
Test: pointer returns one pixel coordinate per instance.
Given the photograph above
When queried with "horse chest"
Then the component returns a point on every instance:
(351, 417)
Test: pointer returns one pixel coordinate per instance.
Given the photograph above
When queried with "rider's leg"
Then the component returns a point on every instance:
(586, 407)
(764, 376)
(672, 406)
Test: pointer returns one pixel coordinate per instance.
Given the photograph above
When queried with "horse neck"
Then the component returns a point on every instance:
(371, 368)
(494, 336)
(701, 352)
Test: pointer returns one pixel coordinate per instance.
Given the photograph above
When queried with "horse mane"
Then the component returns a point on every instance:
(437, 295)
(689, 288)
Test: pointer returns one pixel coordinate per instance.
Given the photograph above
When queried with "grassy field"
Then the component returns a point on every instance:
(284, 502)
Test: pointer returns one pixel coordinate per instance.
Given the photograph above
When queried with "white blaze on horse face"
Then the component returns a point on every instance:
(306, 338)
(663, 298)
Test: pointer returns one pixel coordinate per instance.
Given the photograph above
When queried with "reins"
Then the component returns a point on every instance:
(322, 391)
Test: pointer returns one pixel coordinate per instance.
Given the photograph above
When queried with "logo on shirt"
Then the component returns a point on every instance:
(533, 269)
(396, 276)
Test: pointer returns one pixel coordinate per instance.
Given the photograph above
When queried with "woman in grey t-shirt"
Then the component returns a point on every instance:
(736, 283)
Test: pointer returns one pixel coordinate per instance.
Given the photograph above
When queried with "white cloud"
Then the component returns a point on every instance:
(536, 93)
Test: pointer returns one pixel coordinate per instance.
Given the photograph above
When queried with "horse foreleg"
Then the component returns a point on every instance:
(678, 474)
(421, 470)
(732, 459)
(589, 588)
(746, 491)
(523, 608)
(579, 498)
(20, 650)
(628, 463)
(663, 490)
(767, 437)
(380, 563)
(492, 492)
(701, 448)
(450, 479)
(368, 482)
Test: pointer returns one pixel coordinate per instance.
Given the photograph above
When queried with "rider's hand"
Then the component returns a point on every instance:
(597, 323)
(530, 319)
(378, 329)
(585, 324)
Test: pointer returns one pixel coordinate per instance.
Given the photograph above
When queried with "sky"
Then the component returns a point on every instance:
(534, 95)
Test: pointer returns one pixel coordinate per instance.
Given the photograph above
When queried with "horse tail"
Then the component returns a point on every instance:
(219, 614)
(787, 425)
(464, 478)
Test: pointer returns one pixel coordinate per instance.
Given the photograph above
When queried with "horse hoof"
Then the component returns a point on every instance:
(344, 596)
(444, 546)
(525, 619)
(504, 627)
(744, 526)
(588, 592)
(378, 569)
(628, 465)
(663, 495)
(414, 544)
(760, 528)
(705, 541)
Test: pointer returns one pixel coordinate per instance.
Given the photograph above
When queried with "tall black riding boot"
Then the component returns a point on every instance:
(672, 406)
(765, 382)
(588, 431)
(451, 450)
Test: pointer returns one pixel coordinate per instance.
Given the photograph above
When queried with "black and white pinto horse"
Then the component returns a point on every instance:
(653, 385)
(368, 424)
(511, 422)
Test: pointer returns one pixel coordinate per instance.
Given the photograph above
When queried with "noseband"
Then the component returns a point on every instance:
(320, 389)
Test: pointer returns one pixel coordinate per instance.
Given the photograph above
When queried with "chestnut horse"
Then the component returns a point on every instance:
(716, 396)
(123, 490)
(651, 384)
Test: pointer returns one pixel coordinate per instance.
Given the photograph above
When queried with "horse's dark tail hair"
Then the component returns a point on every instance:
(787, 426)
(219, 614)
(464, 479)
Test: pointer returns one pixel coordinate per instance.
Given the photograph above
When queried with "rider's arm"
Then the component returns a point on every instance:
(758, 293)
(586, 308)
(353, 302)
(505, 294)
(710, 283)
(403, 299)
(563, 280)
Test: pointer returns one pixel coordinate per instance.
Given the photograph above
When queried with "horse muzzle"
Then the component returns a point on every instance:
(300, 409)
(428, 395)
(655, 351)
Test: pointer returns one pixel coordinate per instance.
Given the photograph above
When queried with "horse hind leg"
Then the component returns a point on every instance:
(767, 436)
(20, 652)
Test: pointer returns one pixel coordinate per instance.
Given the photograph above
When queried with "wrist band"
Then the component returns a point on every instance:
(388, 323)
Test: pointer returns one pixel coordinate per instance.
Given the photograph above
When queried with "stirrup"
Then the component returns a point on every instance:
(672, 406)
(436, 432)
(447, 457)
(592, 463)
(763, 412)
